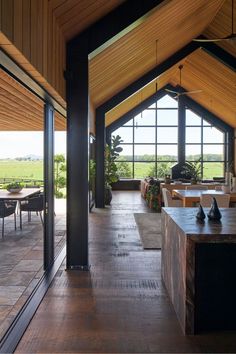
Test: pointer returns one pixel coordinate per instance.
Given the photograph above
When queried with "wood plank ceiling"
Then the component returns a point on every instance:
(172, 25)
(217, 82)
(21, 110)
(73, 16)
(200, 72)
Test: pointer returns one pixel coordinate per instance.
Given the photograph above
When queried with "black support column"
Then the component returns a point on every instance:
(48, 185)
(77, 153)
(100, 152)
(181, 130)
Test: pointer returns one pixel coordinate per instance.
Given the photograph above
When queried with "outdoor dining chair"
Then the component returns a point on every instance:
(32, 204)
(7, 208)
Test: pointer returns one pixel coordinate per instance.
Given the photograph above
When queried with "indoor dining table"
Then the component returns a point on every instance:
(192, 196)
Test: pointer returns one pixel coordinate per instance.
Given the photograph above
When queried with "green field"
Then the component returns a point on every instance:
(21, 169)
(33, 170)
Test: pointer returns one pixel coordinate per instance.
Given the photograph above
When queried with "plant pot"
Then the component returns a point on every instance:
(193, 181)
(108, 195)
(14, 190)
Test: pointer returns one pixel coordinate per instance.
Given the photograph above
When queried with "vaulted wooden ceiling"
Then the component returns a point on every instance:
(73, 16)
(172, 25)
(200, 72)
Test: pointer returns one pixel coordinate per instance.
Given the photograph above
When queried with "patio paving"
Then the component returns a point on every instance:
(21, 260)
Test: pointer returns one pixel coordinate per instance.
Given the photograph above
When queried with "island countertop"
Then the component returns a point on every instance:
(198, 268)
(205, 231)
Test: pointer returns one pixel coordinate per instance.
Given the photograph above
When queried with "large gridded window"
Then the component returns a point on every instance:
(150, 142)
(206, 142)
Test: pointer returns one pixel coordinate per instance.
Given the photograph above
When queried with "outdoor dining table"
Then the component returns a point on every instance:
(19, 196)
(192, 196)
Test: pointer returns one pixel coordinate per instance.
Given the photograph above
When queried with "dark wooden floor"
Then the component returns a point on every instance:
(120, 306)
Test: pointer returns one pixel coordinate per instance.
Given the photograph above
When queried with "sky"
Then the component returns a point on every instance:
(20, 144)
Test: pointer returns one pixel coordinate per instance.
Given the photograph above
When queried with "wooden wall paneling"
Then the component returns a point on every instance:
(39, 65)
(53, 52)
(18, 24)
(57, 60)
(7, 18)
(26, 28)
(0, 15)
(45, 38)
(63, 67)
(34, 30)
(49, 46)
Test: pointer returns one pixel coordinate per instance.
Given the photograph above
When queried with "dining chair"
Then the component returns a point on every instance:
(7, 208)
(32, 204)
(196, 186)
(169, 201)
(218, 188)
(221, 199)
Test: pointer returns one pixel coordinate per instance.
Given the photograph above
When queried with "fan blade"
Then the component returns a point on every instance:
(231, 37)
(190, 92)
(203, 40)
(171, 91)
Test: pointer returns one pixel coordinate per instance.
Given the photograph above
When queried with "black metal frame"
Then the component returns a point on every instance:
(184, 103)
(48, 185)
(77, 154)
(155, 144)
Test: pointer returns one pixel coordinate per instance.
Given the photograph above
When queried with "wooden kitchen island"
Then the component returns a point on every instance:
(199, 268)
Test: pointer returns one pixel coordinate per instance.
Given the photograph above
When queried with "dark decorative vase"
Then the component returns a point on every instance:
(108, 195)
(200, 214)
(214, 212)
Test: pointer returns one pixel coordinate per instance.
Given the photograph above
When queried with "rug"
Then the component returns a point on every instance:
(149, 227)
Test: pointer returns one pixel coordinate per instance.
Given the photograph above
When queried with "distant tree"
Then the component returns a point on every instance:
(123, 169)
(59, 179)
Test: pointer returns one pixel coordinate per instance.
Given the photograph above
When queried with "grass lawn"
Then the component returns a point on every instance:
(21, 169)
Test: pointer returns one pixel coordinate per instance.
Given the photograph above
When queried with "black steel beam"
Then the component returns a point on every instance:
(181, 130)
(100, 159)
(135, 111)
(116, 24)
(149, 76)
(77, 155)
(49, 185)
(219, 53)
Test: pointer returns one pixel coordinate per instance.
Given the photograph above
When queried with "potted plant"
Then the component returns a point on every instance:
(153, 196)
(111, 153)
(14, 187)
(192, 169)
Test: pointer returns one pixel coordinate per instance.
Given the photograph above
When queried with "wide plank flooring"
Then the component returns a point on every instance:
(120, 306)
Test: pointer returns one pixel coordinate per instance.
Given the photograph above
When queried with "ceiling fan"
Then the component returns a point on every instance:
(178, 93)
(230, 37)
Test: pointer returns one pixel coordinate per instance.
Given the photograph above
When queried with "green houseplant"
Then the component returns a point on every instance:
(112, 152)
(193, 170)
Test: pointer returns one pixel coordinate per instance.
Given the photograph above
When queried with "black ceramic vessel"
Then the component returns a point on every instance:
(200, 214)
(214, 212)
